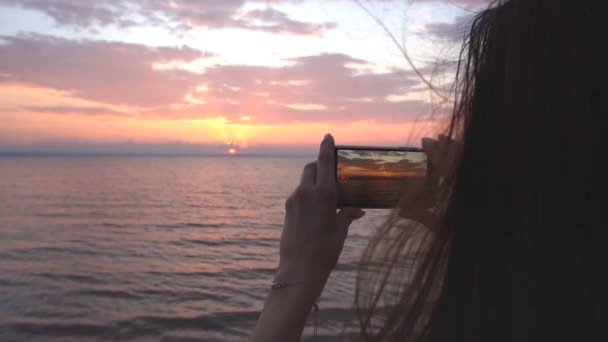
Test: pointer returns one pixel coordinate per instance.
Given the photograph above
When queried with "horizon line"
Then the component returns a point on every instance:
(149, 154)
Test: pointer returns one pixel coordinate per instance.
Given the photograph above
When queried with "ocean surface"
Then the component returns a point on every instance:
(372, 192)
(151, 248)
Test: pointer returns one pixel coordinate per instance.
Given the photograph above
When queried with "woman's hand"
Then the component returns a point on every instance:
(314, 234)
(441, 154)
(311, 243)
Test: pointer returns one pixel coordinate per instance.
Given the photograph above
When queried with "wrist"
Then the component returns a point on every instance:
(311, 277)
(309, 284)
(286, 310)
(300, 297)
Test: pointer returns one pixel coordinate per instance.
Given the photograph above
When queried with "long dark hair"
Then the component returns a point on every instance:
(519, 252)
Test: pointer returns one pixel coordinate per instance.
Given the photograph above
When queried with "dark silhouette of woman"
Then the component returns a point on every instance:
(517, 245)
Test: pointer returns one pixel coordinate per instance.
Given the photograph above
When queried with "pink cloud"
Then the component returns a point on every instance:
(77, 13)
(106, 72)
(101, 111)
(320, 88)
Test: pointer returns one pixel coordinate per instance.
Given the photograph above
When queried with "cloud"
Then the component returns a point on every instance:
(175, 14)
(78, 13)
(275, 21)
(319, 88)
(101, 111)
(453, 32)
(106, 72)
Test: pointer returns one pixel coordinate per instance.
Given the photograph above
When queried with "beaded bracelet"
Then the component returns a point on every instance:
(283, 284)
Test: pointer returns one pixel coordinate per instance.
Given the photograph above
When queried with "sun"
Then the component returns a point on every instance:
(232, 151)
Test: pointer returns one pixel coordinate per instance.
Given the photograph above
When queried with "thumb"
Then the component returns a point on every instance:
(345, 217)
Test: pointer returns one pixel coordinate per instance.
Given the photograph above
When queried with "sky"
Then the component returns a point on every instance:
(367, 163)
(210, 76)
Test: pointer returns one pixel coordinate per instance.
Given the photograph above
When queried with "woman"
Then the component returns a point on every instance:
(516, 246)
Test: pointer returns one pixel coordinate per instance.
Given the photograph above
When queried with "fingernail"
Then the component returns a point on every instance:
(327, 136)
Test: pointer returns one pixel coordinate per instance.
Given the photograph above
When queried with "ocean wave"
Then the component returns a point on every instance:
(53, 215)
(135, 327)
(114, 294)
(229, 273)
(58, 250)
(191, 225)
(79, 278)
(12, 283)
(114, 225)
(263, 242)
(54, 329)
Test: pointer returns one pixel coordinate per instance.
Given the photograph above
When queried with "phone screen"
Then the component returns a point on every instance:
(377, 177)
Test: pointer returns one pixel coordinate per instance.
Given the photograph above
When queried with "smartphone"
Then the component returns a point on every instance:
(377, 177)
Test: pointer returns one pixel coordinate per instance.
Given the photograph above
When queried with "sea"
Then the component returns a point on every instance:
(140, 248)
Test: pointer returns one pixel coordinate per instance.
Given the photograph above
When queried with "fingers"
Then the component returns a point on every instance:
(326, 163)
(431, 147)
(309, 175)
(449, 144)
(345, 217)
